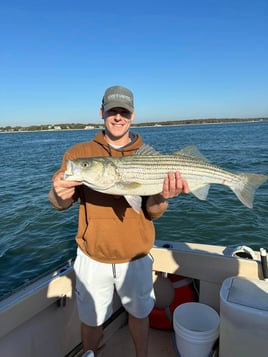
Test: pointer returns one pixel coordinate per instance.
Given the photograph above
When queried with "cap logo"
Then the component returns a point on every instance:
(119, 96)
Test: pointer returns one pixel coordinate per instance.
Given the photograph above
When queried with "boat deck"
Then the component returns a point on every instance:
(161, 343)
(117, 341)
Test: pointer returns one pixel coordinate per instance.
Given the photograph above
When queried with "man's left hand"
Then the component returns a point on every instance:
(174, 185)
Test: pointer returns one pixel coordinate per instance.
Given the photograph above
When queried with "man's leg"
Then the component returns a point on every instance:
(135, 288)
(94, 294)
(91, 337)
(139, 330)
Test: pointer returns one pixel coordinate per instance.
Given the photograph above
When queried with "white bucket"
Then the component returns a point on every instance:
(196, 328)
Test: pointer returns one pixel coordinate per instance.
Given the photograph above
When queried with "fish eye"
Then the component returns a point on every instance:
(85, 164)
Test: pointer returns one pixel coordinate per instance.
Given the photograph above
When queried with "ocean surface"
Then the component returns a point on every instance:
(35, 238)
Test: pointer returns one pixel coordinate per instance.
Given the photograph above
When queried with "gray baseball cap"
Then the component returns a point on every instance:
(118, 97)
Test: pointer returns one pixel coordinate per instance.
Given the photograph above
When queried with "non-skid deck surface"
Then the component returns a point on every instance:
(161, 343)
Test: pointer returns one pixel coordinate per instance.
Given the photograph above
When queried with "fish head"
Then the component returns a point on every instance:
(95, 172)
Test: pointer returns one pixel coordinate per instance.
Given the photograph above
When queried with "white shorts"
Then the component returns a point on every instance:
(96, 281)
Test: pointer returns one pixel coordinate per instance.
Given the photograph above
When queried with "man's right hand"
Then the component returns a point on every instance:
(64, 189)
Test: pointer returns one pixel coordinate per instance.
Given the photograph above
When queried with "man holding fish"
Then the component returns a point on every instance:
(114, 240)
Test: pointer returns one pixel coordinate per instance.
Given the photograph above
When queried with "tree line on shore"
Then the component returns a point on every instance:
(80, 126)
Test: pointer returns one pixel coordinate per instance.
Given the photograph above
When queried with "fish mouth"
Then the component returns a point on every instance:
(69, 172)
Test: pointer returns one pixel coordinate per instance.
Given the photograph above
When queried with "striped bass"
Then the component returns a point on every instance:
(143, 174)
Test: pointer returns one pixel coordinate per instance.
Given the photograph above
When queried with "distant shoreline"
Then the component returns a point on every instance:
(89, 126)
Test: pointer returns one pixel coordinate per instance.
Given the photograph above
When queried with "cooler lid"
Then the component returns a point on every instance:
(251, 293)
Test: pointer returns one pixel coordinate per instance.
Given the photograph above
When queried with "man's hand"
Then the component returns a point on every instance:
(174, 185)
(64, 189)
(61, 192)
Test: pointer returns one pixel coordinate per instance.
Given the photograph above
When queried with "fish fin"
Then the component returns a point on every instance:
(245, 189)
(192, 151)
(146, 150)
(134, 202)
(128, 185)
(201, 192)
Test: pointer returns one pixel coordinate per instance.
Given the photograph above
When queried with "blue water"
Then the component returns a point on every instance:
(35, 238)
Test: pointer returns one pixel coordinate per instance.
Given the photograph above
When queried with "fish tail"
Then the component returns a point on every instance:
(246, 187)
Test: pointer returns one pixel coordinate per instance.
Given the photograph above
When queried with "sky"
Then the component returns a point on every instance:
(183, 59)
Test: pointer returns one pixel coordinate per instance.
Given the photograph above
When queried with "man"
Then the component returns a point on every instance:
(113, 240)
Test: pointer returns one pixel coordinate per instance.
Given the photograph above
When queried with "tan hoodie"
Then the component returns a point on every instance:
(109, 230)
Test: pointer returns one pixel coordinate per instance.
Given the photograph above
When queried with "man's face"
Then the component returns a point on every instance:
(117, 122)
